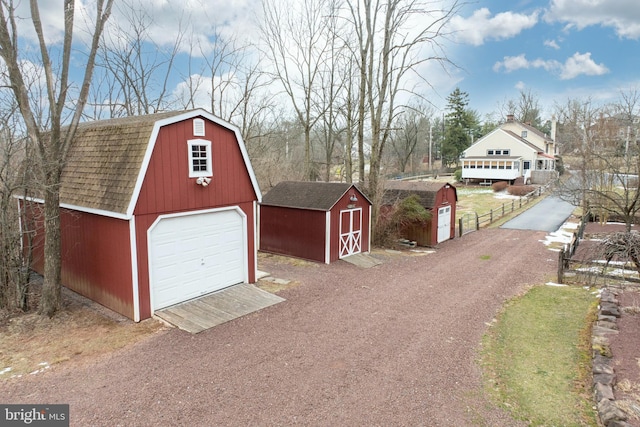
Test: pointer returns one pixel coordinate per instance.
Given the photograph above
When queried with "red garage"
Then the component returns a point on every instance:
(156, 210)
(438, 198)
(319, 221)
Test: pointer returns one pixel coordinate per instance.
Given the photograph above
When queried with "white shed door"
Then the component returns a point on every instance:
(350, 232)
(195, 254)
(444, 223)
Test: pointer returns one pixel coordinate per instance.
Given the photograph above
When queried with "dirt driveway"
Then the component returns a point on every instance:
(392, 345)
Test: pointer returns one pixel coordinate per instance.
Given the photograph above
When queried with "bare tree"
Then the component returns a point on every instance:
(134, 71)
(391, 50)
(15, 247)
(607, 177)
(526, 108)
(51, 147)
(404, 138)
(295, 39)
(332, 84)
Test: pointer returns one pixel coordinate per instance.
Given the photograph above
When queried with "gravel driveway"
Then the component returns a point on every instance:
(396, 344)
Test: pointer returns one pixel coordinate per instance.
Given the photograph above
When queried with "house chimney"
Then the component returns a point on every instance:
(509, 118)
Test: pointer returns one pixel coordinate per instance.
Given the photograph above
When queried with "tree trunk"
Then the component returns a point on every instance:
(50, 300)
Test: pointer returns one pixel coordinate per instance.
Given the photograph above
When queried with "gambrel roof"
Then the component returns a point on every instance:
(107, 161)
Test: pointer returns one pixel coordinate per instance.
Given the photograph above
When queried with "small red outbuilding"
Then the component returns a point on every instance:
(319, 221)
(156, 210)
(438, 198)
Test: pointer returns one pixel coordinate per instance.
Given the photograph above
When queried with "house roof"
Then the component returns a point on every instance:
(524, 141)
(307, 195)
(107, 161)
(104, 162)
(536, 131)
(426, 191)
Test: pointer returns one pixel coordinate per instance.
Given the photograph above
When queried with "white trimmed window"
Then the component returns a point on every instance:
(200, 163)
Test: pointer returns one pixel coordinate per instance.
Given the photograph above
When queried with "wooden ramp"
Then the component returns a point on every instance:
(362, 260)
(213, 309)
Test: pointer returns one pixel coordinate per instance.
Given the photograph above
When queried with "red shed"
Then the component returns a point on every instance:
(319, 221)
(439, 198)
(156, 210)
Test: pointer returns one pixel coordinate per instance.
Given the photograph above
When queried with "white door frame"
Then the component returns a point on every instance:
(245, 260)
(351, 239)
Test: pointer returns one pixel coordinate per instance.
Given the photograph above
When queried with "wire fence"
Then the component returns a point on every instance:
(588, 269)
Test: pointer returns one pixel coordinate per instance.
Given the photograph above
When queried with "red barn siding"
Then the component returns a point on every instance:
(428, 235)
(344, 204)
(167, 186)
(96, 250)
(96, 258)
(294, 232)
(143, 222)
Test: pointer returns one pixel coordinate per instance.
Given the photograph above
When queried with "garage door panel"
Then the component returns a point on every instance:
(196, 254)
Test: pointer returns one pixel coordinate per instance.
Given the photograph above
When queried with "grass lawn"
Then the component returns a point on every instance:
(474, 200)
(537, 360)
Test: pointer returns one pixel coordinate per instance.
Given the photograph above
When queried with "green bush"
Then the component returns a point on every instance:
(457, 175)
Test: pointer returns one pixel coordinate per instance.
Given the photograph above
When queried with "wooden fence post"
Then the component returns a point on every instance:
(561, 266)
(460, 231)
(477, 221)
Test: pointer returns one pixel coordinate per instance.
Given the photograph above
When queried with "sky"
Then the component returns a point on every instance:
(555, 49)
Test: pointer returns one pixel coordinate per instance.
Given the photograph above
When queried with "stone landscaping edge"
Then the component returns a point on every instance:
(604, 377)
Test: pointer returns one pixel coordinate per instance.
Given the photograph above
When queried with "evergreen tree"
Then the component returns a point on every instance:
(460, 124)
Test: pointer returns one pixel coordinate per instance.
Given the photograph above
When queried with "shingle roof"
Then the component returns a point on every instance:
(104, 162)
(536, 131)
(524, 141)
(306, 195)
(426, 191)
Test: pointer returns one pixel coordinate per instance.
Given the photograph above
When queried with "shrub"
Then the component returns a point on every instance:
(499, 186)
(520, 190)
(457, 175)
(392, 222)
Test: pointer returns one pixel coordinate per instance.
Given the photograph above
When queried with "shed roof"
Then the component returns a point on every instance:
(104, 162)
(307, 195)
(425, 190)
(107, 161)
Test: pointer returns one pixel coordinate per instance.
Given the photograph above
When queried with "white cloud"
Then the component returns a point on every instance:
(163, 20)
(581, 63)
(481, 26)
(552, 44)
(622, 15)
(578, 64)
(513, 63)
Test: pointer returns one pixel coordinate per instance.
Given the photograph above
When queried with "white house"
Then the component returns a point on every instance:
(513, 150)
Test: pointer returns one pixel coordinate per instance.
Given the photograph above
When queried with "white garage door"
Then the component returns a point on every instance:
(195, 254)
(444, 223)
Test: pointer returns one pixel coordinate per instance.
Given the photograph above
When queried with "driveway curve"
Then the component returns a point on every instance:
(395, 344)
(546, 215)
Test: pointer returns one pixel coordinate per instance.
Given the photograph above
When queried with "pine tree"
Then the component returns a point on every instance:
(460, 124)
